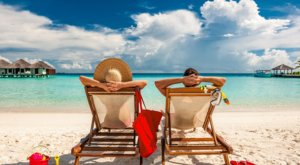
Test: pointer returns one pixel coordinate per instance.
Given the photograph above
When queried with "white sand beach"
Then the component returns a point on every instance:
(264, 135)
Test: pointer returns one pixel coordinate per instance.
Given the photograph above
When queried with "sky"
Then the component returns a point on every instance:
(154, 36)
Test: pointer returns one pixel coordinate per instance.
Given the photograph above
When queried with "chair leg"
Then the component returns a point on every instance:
(226, 159)
(134, 134)
(77, 160)
(163, 151)
(141, 160)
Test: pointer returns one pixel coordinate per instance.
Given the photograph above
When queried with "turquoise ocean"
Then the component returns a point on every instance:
(64, 92)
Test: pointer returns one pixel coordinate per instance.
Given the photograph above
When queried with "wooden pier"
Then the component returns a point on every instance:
(286, 75)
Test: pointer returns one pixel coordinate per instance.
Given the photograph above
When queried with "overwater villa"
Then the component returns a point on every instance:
(279, 71)
(22, 68)
(282, 69)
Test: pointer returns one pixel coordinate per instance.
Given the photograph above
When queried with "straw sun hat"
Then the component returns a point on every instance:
(112, 69)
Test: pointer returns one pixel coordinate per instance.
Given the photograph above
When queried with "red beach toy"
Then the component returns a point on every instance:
(38, 158)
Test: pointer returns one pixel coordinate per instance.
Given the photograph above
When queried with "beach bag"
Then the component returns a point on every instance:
(146, 125)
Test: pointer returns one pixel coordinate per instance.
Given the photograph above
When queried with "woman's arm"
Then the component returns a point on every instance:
(114, 86)
(92, 82)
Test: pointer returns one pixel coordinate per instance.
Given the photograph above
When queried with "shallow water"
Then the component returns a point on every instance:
(65, 92)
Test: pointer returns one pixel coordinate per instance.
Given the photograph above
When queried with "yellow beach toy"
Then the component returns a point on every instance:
(56, 158)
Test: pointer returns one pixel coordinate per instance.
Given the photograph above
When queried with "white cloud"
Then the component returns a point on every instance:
(166, 26)
(228, 35)
(46, 62)
(288, 8)
(86, 66)
(244, 14)
(32, 61)
(295, 54)
(271, 58)
(146, 5)
(191, 6)
(5, 59)
(165, 42)
(23, 29)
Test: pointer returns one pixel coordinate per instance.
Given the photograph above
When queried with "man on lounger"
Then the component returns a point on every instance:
(191, 78)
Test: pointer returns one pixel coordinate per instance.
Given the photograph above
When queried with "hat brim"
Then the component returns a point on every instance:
(112, 63)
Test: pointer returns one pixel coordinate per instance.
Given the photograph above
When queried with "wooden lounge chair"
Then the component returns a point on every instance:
(191, 108)
(105, 138)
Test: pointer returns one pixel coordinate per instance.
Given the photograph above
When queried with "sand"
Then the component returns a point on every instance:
(265, 136)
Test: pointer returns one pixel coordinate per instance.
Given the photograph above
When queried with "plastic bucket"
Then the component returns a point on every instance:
(34, 161)
(39, 162)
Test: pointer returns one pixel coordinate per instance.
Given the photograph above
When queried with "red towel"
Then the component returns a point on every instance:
(146, 125)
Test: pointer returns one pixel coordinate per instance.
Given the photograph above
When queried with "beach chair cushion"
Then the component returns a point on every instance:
(116, 111)
(189, 112)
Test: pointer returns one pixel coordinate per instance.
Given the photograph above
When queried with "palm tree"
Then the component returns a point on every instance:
(298, 63)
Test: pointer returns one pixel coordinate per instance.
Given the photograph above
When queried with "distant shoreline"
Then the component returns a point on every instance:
(163, 73)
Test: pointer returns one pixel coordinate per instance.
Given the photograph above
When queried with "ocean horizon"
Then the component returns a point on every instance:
(64, 92)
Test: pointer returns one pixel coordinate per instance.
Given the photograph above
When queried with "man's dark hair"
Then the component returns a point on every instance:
(190, 71)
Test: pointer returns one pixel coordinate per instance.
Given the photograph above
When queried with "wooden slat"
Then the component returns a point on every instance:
(188, 90)
(108, 148)
(114, 134)
(198, 153)
(213, 130)
(167, 118)
(128, 128)
(206, 121)
(195, 147)
(111, 144)
(96, 89)
(111, 140)
(77, 148)
(93, 109)
(106, 155)
(192, 139)
(196, 94)
(119, 93)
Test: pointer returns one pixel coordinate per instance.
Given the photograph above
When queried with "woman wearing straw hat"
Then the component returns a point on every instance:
(113, 74)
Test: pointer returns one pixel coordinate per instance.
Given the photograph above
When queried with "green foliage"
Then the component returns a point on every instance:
(298, 63)
(288, 73)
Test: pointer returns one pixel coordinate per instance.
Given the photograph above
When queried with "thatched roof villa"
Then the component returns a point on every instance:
(3, 64)
(42, 68)
(283, 68)
(22, 68)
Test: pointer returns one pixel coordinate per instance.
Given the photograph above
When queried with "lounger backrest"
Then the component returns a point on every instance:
(188, 108)
(113, 110)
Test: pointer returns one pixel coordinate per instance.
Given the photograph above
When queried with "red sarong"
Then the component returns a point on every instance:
(146, 125)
